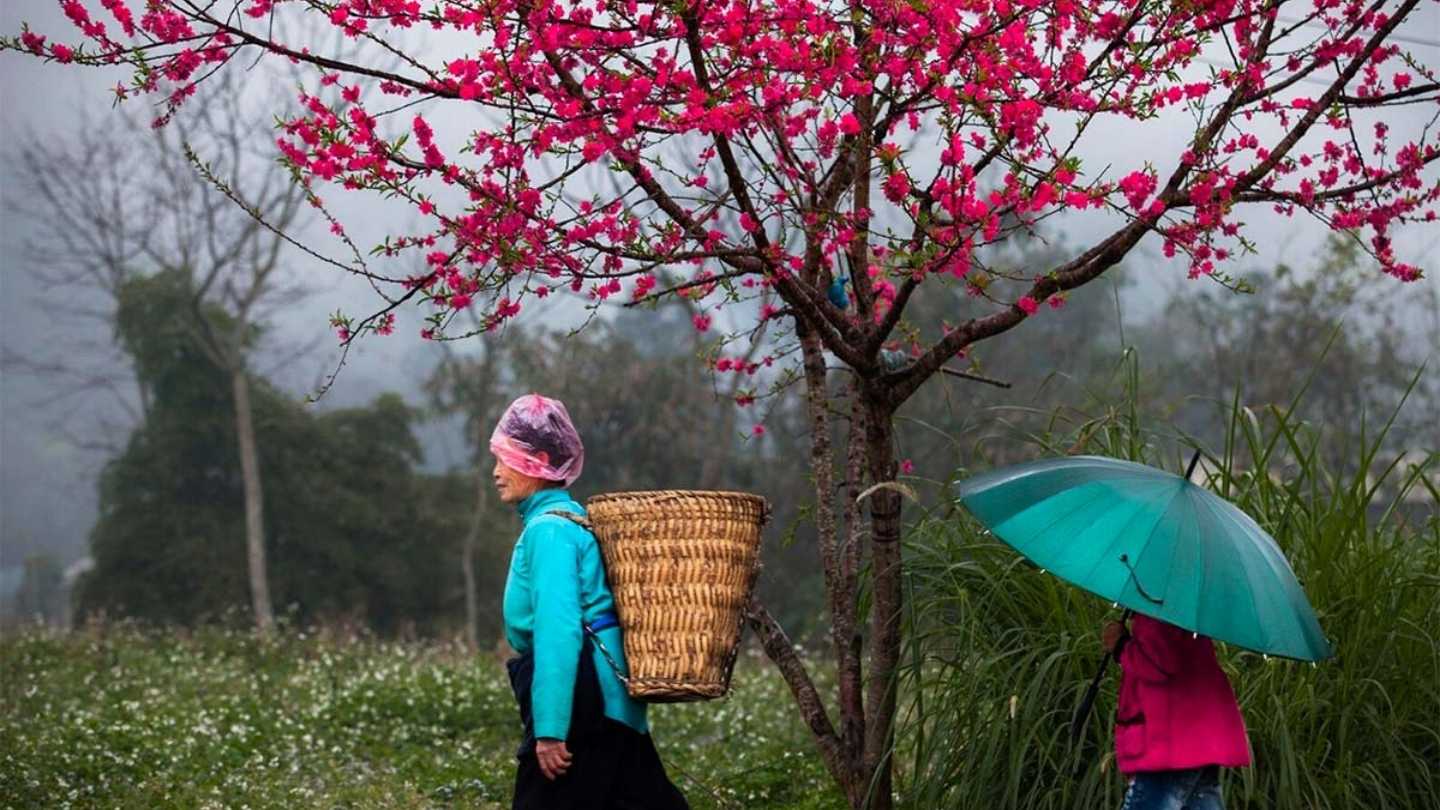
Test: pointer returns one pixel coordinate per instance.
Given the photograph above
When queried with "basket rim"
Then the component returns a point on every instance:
(641, 494)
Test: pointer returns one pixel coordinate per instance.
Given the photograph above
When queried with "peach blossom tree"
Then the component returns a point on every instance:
(797, 172)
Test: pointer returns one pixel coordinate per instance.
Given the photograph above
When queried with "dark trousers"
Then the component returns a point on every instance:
(1190, 789)
(612, 766)
(615, 769)
(587, 707)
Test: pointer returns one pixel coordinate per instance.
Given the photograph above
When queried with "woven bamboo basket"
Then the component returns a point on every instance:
(682, 564)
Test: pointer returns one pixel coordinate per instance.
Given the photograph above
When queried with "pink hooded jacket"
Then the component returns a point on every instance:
(1176, 707)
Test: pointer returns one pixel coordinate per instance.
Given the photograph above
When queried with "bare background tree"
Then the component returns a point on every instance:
(471, 388)
(86, 223)
(117, 204)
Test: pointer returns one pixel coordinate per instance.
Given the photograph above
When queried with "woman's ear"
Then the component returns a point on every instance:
(543, 456)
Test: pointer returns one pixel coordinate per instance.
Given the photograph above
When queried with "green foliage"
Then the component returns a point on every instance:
(352, 530)
(999, 653)
(168, 544)
(155, 324)
(118, 717)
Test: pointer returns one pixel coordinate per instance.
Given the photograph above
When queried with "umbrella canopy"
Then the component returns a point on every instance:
(1154, 542)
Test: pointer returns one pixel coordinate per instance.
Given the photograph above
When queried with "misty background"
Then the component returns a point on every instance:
(434, 403)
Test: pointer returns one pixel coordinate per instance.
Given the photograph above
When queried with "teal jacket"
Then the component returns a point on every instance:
(556, 584)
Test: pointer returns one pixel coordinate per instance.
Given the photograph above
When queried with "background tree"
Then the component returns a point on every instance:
(237, 268)
(99, 224)
(85, 217)
(165, 545)
(1356, 346)
(355, 532)
(769, 152)
(472, 390)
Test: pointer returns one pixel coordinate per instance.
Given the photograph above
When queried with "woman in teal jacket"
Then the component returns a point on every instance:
(587, 742)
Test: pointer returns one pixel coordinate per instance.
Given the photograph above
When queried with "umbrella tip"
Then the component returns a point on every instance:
(1194, 460)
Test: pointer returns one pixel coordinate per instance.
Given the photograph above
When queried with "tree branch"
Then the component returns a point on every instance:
(1318, 108)
(781, 651)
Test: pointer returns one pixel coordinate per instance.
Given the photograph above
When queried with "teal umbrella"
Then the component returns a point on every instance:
(1154, 542)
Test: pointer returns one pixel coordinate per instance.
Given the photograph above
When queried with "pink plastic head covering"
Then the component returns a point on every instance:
(535, 437)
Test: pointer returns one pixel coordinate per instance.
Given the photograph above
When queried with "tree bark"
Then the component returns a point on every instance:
(850, 558)
(254, 502)
(886, 604)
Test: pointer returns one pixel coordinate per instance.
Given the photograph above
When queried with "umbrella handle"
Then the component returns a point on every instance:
(1077, 723)
(1082, 713)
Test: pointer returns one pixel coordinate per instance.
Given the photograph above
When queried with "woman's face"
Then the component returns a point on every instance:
(513, 486)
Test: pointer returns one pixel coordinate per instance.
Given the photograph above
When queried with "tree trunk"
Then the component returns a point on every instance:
(885, 609)
(858, 750)
(467, 565)
(254, 502)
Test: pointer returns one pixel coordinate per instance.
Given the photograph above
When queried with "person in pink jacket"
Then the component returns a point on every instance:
(1177, 723)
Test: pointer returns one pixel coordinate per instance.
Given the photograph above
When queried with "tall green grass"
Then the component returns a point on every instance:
(999, 654)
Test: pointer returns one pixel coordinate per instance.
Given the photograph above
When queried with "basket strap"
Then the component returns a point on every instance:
(578, 520)
(605, 653)
(585, 524)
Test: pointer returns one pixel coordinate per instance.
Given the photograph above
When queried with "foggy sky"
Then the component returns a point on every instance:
(47, 486)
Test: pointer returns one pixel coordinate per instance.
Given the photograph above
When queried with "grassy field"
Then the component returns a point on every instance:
(118, 717)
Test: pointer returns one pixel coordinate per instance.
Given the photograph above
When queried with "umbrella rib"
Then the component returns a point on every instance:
(1249, 583)
(1193, 530)
(1262, 545)
(1105, 556)
(1048, 527)
(1202, 555)
(1177, 502)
